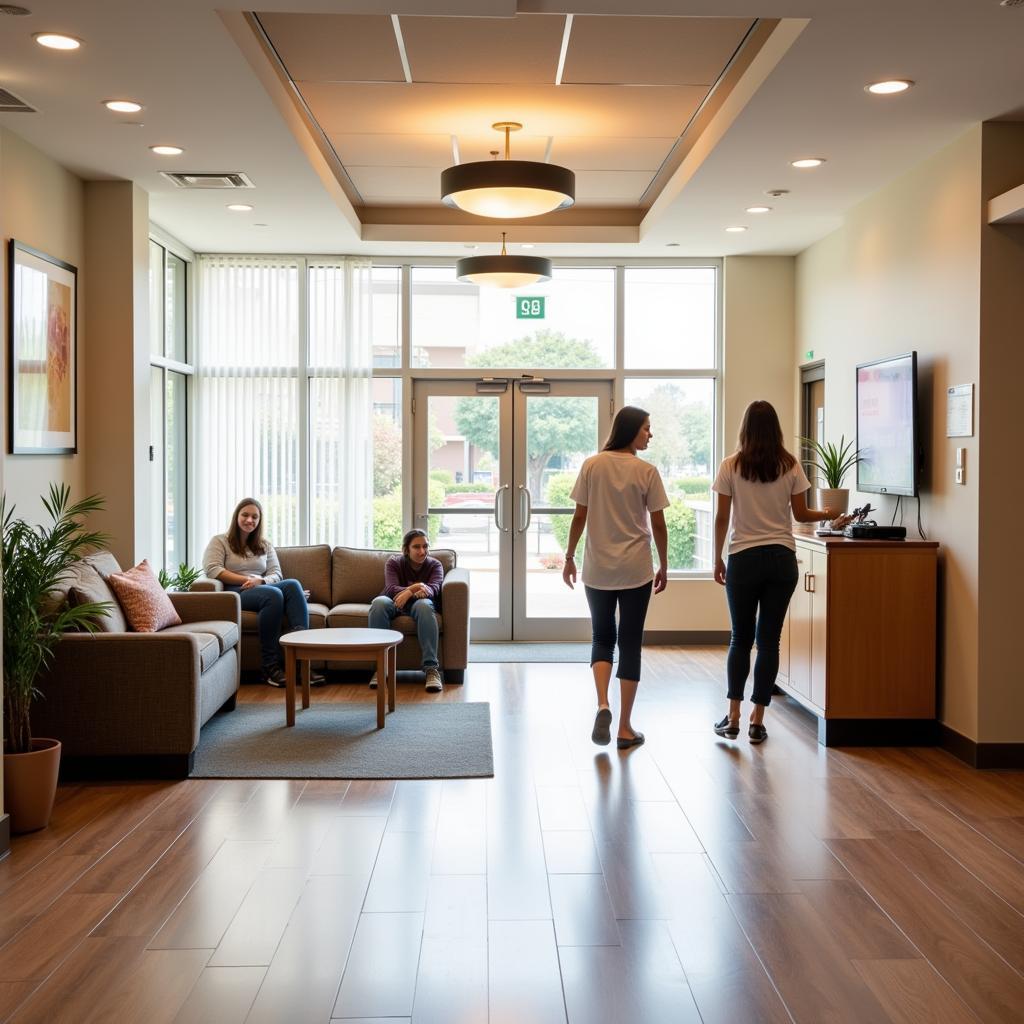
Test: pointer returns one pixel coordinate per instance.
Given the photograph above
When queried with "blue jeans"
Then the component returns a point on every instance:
(274, 602)
(383, 611)
(758, 585)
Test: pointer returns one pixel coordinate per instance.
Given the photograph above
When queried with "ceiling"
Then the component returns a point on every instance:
(675, 114)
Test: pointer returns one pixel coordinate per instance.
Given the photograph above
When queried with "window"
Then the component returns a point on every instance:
(670, 317)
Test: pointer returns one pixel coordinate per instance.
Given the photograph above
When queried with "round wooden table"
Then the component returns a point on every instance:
(308, 645)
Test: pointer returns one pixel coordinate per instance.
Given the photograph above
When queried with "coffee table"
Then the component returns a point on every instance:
(308, 645)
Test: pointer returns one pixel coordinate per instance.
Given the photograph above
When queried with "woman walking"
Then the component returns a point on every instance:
(761, 487)
(620, 500)
(246, 562)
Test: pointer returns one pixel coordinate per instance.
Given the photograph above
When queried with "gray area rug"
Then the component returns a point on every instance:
(342, 741)
(524, 651)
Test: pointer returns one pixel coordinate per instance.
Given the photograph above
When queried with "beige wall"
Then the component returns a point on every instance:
(758, 362)
(901, 274)
(42, 205)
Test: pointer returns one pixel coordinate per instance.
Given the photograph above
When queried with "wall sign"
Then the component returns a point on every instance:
(530, 307)
(960, 411)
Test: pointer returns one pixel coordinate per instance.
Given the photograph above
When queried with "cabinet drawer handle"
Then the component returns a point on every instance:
(810, 582)
(806, 591)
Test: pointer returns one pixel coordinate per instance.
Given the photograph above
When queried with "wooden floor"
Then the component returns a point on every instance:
(691, 879)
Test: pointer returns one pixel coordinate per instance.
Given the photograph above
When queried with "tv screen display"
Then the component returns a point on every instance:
(887, 431)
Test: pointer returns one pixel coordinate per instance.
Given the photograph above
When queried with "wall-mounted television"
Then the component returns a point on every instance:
(887, 426)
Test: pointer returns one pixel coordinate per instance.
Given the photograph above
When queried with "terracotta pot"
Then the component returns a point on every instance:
(30, 784)
(836, 498)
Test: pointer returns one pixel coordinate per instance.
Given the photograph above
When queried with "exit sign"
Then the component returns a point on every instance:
(530, 307)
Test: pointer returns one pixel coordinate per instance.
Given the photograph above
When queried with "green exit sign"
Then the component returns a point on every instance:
(530, 307)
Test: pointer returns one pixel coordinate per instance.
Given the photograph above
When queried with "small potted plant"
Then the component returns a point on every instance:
(830, 463)
(182, 580)
(36, 559)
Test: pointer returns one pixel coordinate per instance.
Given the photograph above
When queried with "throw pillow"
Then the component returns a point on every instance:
(95, 589)
(147, 608)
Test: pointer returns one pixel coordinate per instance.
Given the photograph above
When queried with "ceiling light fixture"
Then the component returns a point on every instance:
(167, 150)
(123, 106)
(56, 41)
(808, 161)
(759, 209)
(239, 207)
(736, 228)
(503, 271)
(508, 188)
(889, 87)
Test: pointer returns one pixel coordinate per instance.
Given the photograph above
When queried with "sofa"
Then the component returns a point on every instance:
(343, 581)
(127, 704)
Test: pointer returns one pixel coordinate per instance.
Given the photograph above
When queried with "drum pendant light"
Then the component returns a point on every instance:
(503, 271)
(508, 188)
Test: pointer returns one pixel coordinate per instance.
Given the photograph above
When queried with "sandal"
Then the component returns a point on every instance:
(602, 734)
(625, 744)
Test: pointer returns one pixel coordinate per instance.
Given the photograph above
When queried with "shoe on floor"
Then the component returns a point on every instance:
(602, 734)
(373, 681)
(757, 733)
(730, 730)
(434, 682)
(636, 741)
(317, 678)
(275, 677)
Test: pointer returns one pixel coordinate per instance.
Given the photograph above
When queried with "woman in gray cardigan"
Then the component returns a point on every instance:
(245, 562)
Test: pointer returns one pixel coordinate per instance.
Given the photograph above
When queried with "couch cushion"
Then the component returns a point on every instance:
(103, 562)
(90, 586)
(317, 618)
(87, 575)
(209, 644)
(357, 574)
(145, 604)
(355, 616)
(311, 566)
(225, 632)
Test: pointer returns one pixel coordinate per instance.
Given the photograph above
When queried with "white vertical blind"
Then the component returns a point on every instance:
(253, 368)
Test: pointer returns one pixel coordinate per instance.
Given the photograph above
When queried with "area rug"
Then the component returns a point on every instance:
(342, 741)
(524, 651)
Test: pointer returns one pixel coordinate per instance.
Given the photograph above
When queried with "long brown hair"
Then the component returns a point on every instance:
(760, 452)
(255, 544)
(626, 425)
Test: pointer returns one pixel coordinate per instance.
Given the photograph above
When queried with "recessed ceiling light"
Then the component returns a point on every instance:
(808, 161)
(167, 150)
(55, 41)
(123, 106)
(239, 207)
(889, 87)
(759, 209)
(736, 228)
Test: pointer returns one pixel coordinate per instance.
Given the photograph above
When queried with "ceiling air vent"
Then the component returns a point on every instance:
(228, 179)
(10, 104)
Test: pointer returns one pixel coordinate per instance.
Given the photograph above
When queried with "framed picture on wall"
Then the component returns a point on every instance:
(42, 367)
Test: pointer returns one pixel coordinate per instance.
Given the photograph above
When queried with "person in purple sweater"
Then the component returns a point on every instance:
(412, 586)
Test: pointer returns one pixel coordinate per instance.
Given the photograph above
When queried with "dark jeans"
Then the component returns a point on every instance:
(758, 584)
(274, 602)
(632, 605)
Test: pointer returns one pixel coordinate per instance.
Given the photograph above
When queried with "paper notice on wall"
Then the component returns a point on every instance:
(960, 411)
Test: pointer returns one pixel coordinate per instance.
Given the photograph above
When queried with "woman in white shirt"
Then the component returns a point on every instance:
(620, 499)
(763, 488)
(246, 562)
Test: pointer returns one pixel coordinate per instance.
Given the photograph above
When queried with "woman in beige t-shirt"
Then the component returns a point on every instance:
(616, 494)
(761, 488)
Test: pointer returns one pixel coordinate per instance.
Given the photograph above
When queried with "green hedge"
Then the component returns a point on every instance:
(681, 524)
(387, 518)
(691, 484)
(477, 488)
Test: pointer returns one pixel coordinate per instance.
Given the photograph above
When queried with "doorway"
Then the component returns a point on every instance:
(494, 462)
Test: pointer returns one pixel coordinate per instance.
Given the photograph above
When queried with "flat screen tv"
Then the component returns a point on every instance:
(887, 426)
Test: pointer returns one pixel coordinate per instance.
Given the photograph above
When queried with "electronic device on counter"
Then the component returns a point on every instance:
(871, 531)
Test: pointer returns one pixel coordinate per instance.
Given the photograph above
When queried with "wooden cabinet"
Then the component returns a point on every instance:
(858, 647)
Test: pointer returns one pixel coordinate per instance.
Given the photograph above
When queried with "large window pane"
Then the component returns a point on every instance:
(156, 299)
(455, 324)
(387, 462)
(157, 540)
(682, 426)
(670, 317)
(175, 469)
(387, 315)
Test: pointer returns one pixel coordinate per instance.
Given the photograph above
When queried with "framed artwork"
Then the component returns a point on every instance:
(43, 353)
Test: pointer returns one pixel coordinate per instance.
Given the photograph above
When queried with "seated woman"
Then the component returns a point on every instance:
(245, 562)
(412, 586)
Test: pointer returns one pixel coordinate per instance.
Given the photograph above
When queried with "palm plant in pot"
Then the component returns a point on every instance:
(36, 559)
(830, 463)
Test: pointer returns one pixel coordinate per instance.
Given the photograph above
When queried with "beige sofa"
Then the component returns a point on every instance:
(127, 704)
(343, 582)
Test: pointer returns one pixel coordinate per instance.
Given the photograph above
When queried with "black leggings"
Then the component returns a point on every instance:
(632, 606)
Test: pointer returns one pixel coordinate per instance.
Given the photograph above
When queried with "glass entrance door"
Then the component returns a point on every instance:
(494, 463)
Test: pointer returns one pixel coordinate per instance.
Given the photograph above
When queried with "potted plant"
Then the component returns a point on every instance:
(830, 463)
(36, 559)
(182, 580)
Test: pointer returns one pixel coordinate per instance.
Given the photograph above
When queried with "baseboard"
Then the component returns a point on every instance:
(878, 732)
(132, 766)
(703, 637)
(981, 755)
(5, 835)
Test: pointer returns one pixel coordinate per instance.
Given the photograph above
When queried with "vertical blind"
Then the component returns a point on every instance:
(283, 403)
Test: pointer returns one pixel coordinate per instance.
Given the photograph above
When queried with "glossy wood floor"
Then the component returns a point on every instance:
(691, 879)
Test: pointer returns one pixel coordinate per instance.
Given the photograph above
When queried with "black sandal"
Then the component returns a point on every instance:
(625, 744)
(729, 729)
(602, 734)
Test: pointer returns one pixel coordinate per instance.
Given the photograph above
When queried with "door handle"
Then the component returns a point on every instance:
(525, 517)
(499, 507)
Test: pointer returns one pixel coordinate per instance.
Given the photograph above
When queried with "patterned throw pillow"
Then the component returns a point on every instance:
(146, 607)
